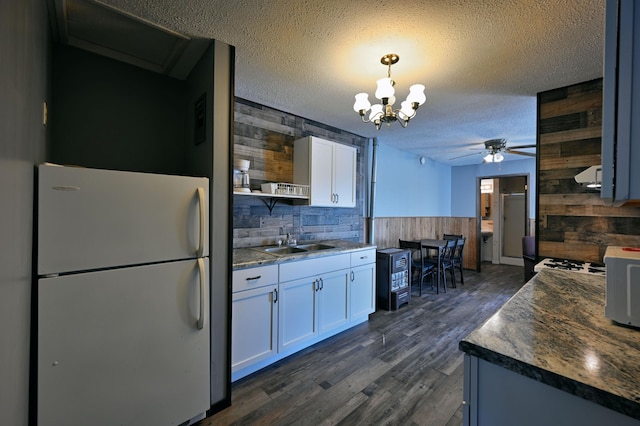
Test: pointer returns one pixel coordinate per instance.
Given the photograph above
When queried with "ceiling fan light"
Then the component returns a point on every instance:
(362, 103)
(488, 158)
(416, 94)
(385, 88)
(498, 157)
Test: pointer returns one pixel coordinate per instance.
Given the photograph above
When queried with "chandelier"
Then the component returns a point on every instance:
(384, 112)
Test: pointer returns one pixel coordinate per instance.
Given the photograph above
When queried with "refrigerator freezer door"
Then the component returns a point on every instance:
(122, 347)
(92, 219)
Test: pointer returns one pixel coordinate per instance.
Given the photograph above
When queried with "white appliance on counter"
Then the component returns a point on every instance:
(122, 297)
(623, 285)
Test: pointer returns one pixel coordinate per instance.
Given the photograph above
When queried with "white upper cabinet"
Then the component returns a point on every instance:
(329, 169)
(621, 103)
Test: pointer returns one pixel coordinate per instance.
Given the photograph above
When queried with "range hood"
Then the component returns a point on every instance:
(104, 30)
(591, 177)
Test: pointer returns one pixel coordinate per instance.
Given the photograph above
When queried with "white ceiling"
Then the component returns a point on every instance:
(482, 62)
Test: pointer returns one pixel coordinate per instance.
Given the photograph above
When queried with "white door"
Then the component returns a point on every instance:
(321, 172)
(92, 219)
(362, 297)
(344, 175)
(254, 326)
(333, 300)
(513, 228)
(298, 317)
(121, 347)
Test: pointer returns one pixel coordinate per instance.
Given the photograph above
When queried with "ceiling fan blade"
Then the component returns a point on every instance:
(466, 155)
(521, 146)
(529, 154)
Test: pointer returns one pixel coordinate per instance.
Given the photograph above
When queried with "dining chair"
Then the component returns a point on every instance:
(419, 267)
(446, 263)
(457, 256)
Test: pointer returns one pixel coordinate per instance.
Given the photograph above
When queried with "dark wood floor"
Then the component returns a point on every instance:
(401, 368)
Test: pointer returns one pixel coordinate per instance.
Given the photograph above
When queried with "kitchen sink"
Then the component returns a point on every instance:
(280, 250)
(315, 247)
(285, 250)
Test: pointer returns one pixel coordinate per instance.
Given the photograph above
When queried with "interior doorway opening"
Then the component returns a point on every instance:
(503, 218)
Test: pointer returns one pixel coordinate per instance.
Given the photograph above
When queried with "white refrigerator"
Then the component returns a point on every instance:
(122, 297)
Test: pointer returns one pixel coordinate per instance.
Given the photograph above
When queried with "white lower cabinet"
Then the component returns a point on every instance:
(316, 303)
(333, 301)
(254, 316)
(362, 286)
(310, 300)
(298, 313)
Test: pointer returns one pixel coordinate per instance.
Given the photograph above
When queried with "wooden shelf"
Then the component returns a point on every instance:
(262, 194)
(273, 198)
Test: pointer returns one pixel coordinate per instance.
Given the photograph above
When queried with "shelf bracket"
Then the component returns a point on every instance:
(271, 203)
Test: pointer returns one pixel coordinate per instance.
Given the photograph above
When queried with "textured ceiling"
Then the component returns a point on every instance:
(482, 62)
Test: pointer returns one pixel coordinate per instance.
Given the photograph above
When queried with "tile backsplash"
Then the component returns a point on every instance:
(265, 137)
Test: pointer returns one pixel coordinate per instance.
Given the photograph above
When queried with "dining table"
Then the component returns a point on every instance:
(437, 245)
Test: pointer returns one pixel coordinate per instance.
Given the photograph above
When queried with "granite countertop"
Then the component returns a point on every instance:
(554, 331)
(248, 257)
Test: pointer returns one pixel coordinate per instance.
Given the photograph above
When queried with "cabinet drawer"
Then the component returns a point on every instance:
(306, 268)
(363, 257)
(245, 279)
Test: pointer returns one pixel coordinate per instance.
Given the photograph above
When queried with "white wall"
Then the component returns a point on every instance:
(463, 182)
(406, 188)
(23, 85)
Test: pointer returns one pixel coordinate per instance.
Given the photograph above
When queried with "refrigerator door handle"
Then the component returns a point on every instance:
(200, 251)
(200, 323)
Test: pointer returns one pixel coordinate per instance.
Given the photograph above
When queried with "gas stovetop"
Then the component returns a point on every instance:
(571, 265)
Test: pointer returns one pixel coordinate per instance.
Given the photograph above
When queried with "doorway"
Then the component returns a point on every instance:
(513, 228)
(503, 218)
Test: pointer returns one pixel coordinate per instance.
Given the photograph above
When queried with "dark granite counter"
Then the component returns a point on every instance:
(554, 331)
(248, 257)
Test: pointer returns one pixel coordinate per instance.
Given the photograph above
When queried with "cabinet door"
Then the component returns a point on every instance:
(333, 300)
(298, 316)
(254, 326)
(321, 173)
(362, 288)
(344, 175)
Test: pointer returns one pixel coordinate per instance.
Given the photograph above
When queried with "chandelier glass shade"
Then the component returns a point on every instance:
(384, 112)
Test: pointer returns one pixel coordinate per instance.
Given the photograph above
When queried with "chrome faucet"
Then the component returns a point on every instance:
(286, 240)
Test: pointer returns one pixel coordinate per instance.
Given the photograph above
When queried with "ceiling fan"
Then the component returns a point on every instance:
(493, 148)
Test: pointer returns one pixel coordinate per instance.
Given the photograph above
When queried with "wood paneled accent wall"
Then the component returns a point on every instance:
(388, 230)
(572, 221)
(265, 137)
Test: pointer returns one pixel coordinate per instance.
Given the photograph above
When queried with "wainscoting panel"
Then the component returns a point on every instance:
(388, 230)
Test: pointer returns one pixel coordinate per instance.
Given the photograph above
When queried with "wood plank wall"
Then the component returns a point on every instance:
(388, 230)
(265, 136)
(573, 222)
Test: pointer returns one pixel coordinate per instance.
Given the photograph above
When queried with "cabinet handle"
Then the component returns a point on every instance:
(254, 278)
(321, 283)
(337, 198)
(275, 295)
(316, 284)
(352, 276)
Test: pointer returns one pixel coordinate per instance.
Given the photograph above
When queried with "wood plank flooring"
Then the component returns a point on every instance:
(400, 368)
